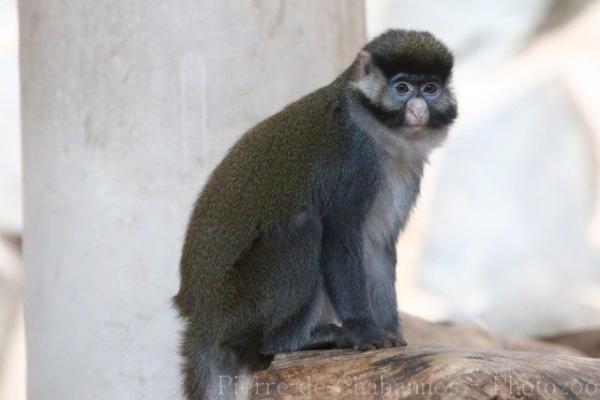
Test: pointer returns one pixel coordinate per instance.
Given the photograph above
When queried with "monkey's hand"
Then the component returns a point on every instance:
(366, 335)
(399, 340)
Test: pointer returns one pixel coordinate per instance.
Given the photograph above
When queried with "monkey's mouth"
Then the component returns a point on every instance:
(416, 120)
(415, 125)
(414, 131)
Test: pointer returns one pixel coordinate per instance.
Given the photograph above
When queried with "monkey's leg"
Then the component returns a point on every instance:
(295, 333)
(284, 283)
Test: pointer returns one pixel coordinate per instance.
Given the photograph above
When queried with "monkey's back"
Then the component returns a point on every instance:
(265, 179)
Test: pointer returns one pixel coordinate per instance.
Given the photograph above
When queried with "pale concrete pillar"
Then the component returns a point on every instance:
(127, 106)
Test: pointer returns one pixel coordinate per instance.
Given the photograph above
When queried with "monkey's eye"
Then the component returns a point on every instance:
(402, 88)
(430, 88)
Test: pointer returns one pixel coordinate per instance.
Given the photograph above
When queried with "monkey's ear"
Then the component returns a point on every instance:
(362, 65)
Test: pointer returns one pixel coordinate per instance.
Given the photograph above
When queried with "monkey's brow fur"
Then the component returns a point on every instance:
(410, 51)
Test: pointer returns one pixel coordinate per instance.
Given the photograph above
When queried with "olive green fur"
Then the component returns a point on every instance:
(264, 179)
(412, 52)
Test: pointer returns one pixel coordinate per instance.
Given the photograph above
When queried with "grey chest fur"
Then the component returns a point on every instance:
(398, 190)
(391, 207)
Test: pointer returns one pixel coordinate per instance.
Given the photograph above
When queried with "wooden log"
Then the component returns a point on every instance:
(587, 342)
(420, 332)
(429, 373)
(442, 361)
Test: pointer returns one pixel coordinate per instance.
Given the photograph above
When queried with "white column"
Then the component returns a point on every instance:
(127, 106)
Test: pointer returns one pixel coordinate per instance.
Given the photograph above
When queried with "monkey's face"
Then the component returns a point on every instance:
(412, 104)
(403, 79)
(417, 102)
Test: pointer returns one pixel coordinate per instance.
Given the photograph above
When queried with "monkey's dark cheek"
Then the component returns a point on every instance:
(439, 117)
(452, 113)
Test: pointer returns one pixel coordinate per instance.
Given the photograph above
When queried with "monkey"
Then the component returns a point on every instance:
(291, 243)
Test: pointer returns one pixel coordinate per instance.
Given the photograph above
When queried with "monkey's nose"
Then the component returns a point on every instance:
(415, 118)
(417, 113)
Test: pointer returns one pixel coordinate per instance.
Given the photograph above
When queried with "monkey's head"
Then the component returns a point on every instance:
(402, 78)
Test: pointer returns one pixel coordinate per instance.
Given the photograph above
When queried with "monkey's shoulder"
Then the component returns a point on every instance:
(284, 152)
(267, 178)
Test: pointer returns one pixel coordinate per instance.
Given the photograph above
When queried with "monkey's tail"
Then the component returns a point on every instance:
(217, 372)
(210, 373)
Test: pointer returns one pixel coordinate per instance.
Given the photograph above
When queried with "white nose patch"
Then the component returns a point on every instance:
(417, 112)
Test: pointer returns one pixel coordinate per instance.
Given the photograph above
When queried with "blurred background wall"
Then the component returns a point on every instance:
(506, 233)
(127, 105)
(12, 336)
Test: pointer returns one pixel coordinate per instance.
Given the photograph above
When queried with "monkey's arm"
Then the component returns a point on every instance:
(345, 280)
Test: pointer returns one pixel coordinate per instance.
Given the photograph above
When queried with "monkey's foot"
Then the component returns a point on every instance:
(367, 336)
(330, 336)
